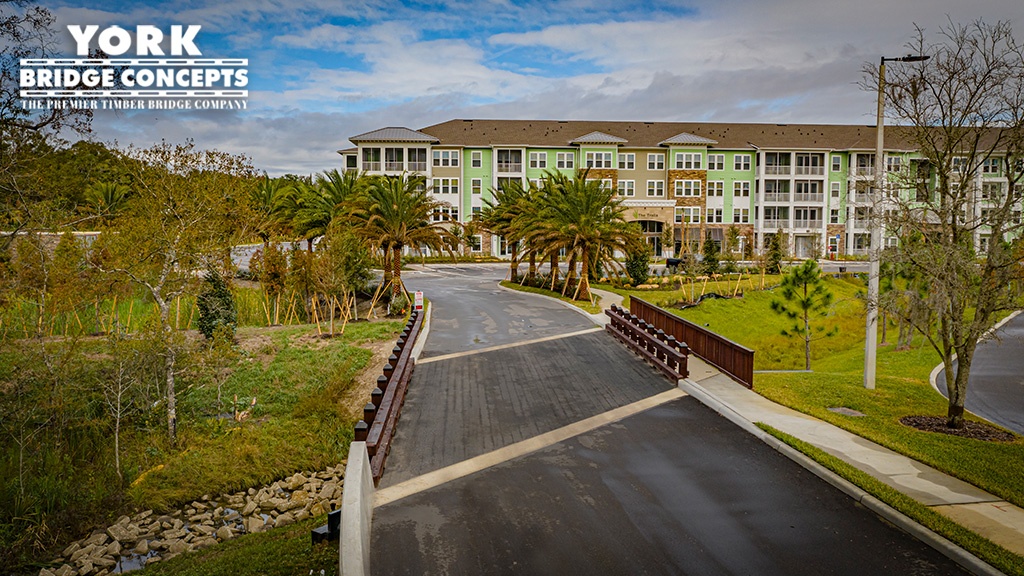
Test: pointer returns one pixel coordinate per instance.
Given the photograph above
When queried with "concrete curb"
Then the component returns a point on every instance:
(356, 514)
(421, 338)
(962, 557)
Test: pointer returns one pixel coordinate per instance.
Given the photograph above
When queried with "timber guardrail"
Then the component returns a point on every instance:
(664, 351)
(380, 415)
(733, 359)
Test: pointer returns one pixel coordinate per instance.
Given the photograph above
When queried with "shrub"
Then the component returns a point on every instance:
(216, 305)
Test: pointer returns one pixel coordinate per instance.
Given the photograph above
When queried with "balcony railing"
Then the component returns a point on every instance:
(810, 170)
(776, 196)
(862, 198)
(776, 223)
(861, 225)
(393, 167)
(865, 171)
(809, 196)
(807, 223)
(510, 167)
(418, 166)
(371, 166)
(776, 170)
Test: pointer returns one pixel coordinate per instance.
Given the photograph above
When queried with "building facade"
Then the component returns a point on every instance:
(685, 183)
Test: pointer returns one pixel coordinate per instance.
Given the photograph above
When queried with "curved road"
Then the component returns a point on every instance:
(995, 390)
(580, 459)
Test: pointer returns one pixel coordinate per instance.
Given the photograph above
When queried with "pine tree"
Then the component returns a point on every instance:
(806, 297)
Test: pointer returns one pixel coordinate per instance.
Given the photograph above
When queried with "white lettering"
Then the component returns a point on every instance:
(149, 38)
(82, 36)
(185, 41)
(107, 41)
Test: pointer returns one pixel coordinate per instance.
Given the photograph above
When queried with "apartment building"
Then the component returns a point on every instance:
(685, 183)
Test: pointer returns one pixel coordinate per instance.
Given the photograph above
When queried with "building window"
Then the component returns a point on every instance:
(446, 185)
(714, 215)
(351, 162)
(393, 159)
(538, 159)
(688, 160)
(510, 161)
(476, 159)
(833, 216)
(960, 164)
(810, 164)
(865, 164)
(446, 157)
(418, 159)
(656, 161)
(716, 188)
(476, 185)
(741, 189)
(741, 215)
(476, 243)
(627, 161)
(893, 163)
(836, 189)
(371, 159)
(837, 163)
(983, 242)
(991, 190)
(564, 160)
(687, 188)
(777, 163)
(991, 166)
(599, 159)
(445, 214)
(741, 162)
(627, 187)
(476, 213)
(655, 187)
(687, 214)
(716, 162)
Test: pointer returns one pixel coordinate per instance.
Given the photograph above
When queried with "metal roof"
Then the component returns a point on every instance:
(687, 138)
(394, 134)
(598, 138)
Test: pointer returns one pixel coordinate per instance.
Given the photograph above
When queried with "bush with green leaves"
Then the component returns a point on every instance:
(216, 305)
(638, 266)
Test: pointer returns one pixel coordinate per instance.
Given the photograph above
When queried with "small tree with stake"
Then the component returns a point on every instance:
(806, 297)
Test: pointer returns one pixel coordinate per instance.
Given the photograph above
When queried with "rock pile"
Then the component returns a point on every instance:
(145, 538)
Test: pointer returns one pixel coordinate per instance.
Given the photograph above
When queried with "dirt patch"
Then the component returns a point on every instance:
(973, 430)
(358, 394)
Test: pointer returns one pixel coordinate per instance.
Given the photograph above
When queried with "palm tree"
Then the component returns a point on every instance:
(505, 215)
(267, 200)
(395, 212)
(331, 196)
(587, 220)
(105, 199)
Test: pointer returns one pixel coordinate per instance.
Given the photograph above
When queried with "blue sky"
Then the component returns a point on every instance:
(324, 70)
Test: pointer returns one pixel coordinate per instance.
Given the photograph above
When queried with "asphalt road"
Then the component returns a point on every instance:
(674, 489)
(472, 312)
(995, 390)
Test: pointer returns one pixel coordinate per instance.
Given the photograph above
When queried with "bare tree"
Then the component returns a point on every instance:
(181, 219)
(956, 204)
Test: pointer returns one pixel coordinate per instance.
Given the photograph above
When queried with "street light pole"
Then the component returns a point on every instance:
(874, 254)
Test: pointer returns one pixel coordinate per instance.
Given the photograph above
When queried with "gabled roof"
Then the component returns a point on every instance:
(598, 138)
(685, 138)
(394, 134)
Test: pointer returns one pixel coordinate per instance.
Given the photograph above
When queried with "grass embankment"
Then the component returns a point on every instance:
(996, 555)
(673, 290)
(581, 304)
(299, 422)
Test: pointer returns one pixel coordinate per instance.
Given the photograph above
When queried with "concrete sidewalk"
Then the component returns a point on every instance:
(967, 505)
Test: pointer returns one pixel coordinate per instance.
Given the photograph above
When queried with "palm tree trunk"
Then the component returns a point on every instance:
(396, 270)
(554, 269)
(570, 275)
(514, 264)
(584, 289)
(532, 270)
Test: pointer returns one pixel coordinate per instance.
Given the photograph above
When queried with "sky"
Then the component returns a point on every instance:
(324, 70)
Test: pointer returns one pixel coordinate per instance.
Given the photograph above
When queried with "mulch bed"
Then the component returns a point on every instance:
(973, 430)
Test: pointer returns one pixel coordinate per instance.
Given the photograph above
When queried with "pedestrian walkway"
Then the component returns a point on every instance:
(969, 506)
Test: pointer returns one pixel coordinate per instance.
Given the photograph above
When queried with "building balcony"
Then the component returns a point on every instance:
(776, 170)
(776, 196)
(809, 196)
(810, 170)
(807, 223)
(417, 166)
(394, 166)
(371, 166)
(775, 223)
(865, 171)
(510, 167)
